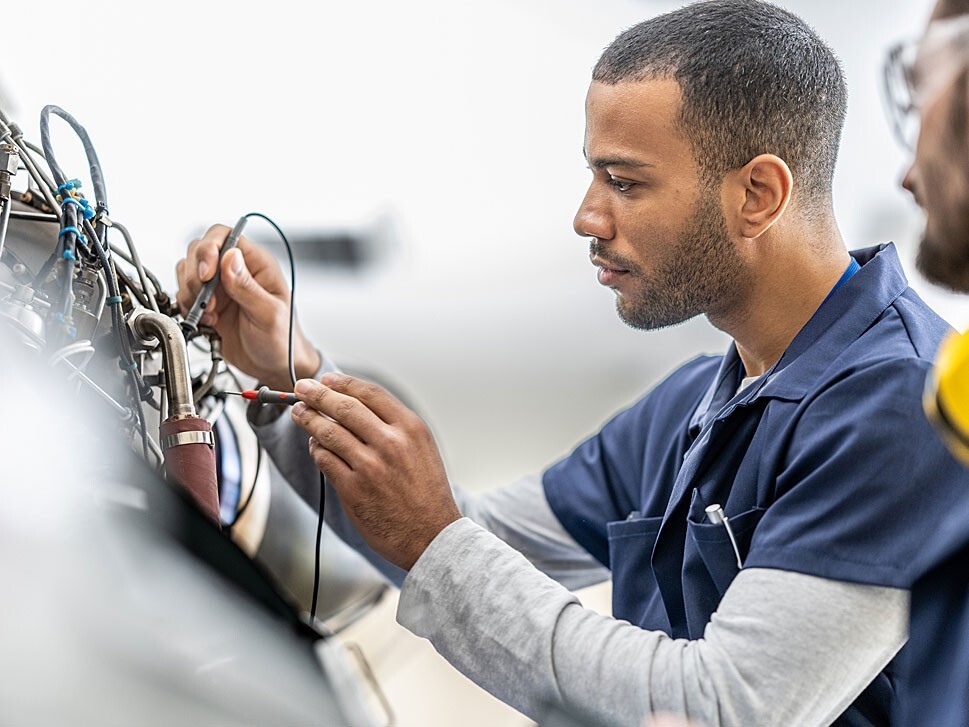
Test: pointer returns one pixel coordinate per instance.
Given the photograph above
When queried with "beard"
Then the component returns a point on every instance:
(945, 264)
(943, 254)
(702, 273)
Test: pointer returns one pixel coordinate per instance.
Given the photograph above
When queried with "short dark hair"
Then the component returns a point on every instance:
(950, 8)
(755, 79)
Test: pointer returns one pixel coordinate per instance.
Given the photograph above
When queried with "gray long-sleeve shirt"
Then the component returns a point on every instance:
(783, 647)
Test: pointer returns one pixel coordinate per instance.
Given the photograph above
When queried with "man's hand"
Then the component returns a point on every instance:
(382, 461)
(250, 308)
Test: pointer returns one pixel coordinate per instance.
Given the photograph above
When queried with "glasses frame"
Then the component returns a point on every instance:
(915, 72)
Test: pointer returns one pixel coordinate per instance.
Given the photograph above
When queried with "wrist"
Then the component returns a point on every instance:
(308, 363)
(423, 540)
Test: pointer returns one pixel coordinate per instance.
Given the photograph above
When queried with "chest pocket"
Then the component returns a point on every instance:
(635, 596)
(716, 551)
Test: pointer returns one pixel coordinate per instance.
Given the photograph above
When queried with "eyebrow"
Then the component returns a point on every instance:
(615, 161)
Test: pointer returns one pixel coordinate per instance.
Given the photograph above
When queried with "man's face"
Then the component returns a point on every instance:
(658, 233)
(939, 181)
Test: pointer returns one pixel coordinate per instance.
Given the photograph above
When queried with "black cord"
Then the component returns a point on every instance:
(292, 289)
(319, 547)
(292, 376)
(255, 478)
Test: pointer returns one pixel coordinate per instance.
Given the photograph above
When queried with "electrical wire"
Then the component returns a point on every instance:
(14, 133)
(46, 180)
(240, 511)
(215, 354)
(128, 283)
(115, 250)
(140, 391)
(206, 386)
(319, 547)
(71, 350)
(66, 254)
(292, 376)
(289, 357)
(70, 239)
(213, 412)
(94, 164)
(136, 262)
(292, 289)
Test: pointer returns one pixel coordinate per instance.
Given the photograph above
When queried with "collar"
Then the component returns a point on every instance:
(854, 304)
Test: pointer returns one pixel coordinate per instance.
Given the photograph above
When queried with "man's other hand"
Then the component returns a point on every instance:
(383, 462)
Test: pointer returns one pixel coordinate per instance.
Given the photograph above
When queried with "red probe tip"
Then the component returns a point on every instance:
(251, 395)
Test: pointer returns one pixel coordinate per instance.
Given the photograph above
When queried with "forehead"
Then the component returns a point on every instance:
(634, 118)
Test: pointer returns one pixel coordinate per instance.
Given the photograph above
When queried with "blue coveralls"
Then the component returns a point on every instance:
(825, 465)
(935, 663)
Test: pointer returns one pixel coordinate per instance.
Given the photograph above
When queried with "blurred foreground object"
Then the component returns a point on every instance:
(129, 598)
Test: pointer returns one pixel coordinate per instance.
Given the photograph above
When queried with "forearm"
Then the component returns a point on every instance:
(783, 648)
(518, 514)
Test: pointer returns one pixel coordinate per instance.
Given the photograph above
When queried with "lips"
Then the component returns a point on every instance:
(608, 276)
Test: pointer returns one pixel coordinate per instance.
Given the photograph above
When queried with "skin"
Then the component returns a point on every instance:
(771, 267)
(250, 308)
(737, 251)
(939, 181)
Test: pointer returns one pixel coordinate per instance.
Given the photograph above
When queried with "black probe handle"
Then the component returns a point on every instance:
(266, 395)
(191, 322)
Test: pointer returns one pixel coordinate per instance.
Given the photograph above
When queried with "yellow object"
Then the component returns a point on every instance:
(946, 398)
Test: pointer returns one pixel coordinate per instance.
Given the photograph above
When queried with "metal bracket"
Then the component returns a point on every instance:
(180, 438)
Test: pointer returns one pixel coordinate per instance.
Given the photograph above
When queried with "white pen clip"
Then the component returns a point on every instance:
(715, 515)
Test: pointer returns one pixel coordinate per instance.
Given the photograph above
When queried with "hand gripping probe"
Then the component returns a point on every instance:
(191, 322)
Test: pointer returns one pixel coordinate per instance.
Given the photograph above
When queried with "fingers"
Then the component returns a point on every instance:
(347, 412)
(245, 281)
(241, 286)
(328, 463)
(346, 452)
(377, 399)
(199, 265)
(204, 253)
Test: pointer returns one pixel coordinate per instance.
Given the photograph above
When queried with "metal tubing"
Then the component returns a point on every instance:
(149, 325)
(4, 220)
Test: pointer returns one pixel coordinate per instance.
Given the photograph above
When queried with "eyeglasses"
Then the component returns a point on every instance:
(916, 71)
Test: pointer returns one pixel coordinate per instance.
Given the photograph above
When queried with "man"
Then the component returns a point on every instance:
(711, 135)
(931, 79)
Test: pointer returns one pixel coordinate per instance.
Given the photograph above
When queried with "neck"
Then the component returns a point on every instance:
(791, 276)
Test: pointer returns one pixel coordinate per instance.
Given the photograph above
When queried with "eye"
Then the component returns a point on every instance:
(621, 185)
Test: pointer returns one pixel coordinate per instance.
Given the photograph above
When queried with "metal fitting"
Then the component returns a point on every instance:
(149, 326)
(9, 164)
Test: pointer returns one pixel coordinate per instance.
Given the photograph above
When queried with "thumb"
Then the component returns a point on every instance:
(242, 287)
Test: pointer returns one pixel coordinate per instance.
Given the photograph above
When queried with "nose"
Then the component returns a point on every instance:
(593, 218)
(910, 182)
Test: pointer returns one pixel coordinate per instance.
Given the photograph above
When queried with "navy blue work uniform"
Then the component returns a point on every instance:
(825, 465)
(935, 663)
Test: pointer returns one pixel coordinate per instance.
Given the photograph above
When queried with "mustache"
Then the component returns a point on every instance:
(617, 262)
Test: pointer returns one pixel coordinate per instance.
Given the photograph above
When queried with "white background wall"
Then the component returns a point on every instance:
(462, 124)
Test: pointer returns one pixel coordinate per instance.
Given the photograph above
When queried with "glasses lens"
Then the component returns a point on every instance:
(900, 102)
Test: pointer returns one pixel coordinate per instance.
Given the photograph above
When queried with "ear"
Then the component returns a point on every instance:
(756, 195)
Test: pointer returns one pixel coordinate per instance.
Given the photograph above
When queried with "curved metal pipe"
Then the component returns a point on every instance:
(148, 326)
